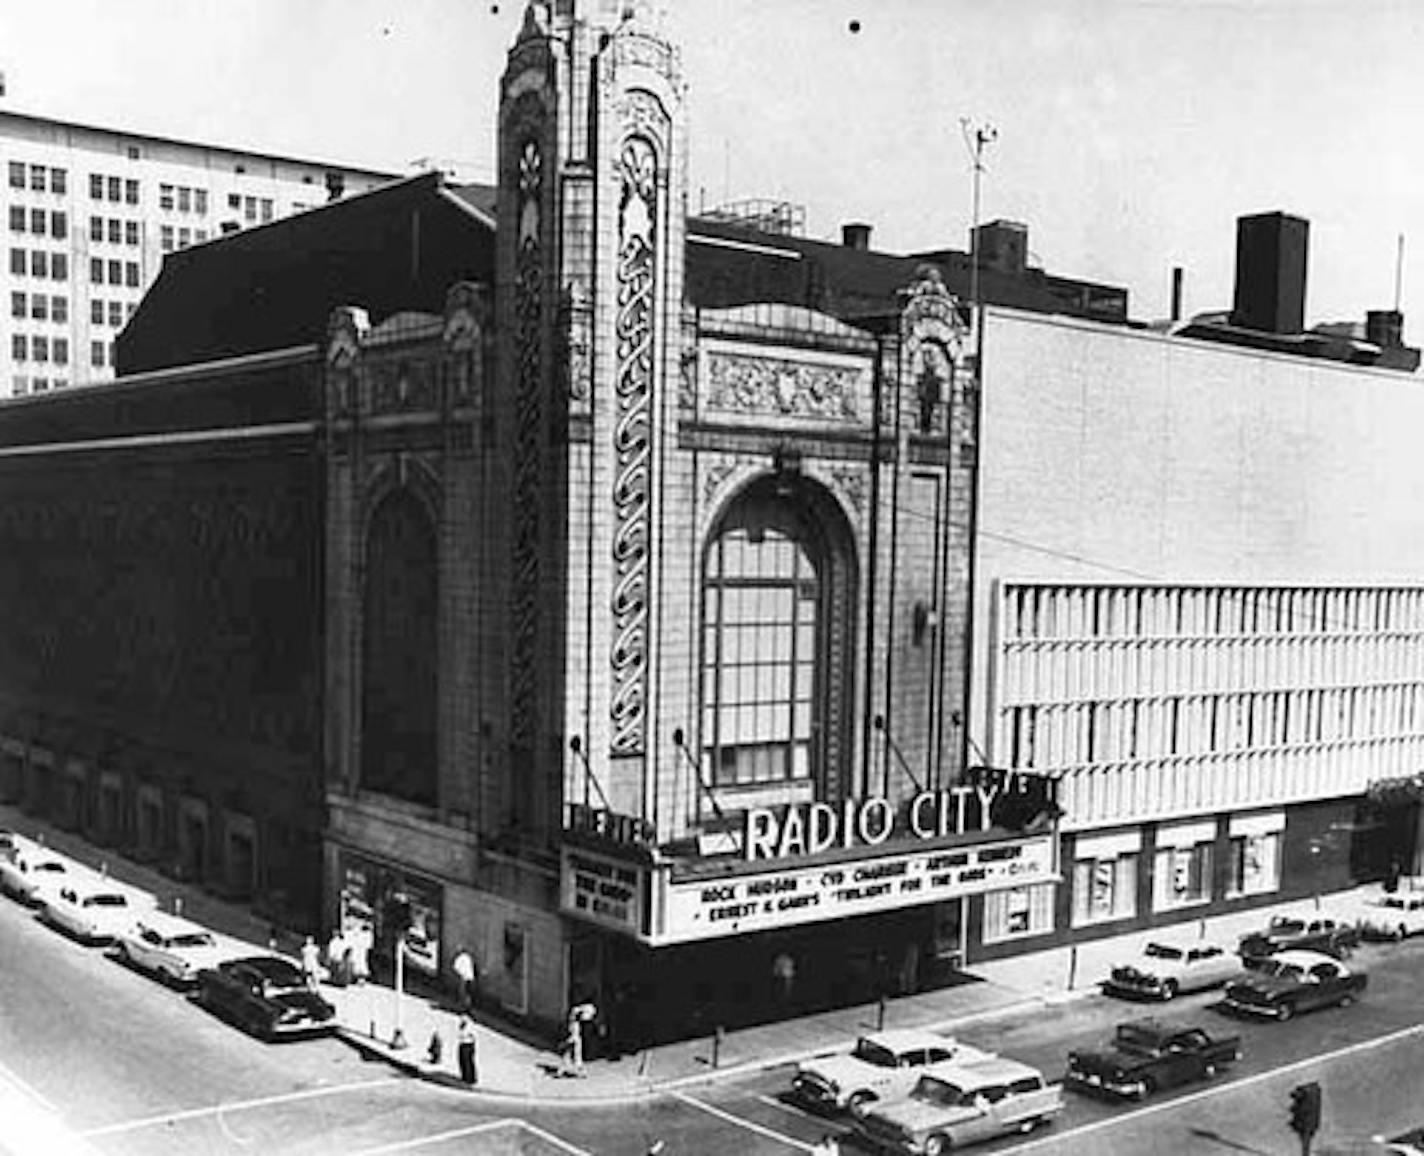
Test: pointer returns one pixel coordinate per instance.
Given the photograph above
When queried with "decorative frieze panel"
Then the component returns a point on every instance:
(752, 386)
(632, 439)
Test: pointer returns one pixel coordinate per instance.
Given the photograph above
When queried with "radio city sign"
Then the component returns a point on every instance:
(990, 800)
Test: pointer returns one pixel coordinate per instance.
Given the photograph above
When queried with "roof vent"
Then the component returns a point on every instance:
(856, 235)
(1271, 252)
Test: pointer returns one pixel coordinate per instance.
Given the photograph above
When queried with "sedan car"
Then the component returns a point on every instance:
(32, 872)
(1311, 932)
(1146, 1055)
(1165, 969)
(92, 909)
(879, 1067)
(1390, 915)
(955, 1104)
(265, 995)
(170, 948)
(1294, 981)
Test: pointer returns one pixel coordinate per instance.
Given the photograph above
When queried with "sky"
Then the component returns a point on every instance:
(1130, 133)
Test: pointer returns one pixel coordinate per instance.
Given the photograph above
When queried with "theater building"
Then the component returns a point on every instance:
(687, 615)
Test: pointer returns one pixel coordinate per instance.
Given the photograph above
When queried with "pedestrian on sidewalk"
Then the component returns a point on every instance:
(581, 1016)
(783, 979)
(465, 1036)
(311, 962)
(336, 958)
(360, 949)
(463, 965)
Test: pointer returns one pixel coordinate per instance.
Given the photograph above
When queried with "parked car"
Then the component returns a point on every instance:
(1312, 932)
(91, 908)
(31, 872)
(10, 843)
(954, 1104)
(1390, 915)
(879, 1067)
(1409, 1143)
(171, 948)
(265, 995)
(1146, 1055)
(1165, 969)
(1294, 981)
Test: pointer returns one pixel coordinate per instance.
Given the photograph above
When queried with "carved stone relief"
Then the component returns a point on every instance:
(740, 383)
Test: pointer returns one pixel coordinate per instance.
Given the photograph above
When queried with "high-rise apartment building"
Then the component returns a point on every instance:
(89, 214)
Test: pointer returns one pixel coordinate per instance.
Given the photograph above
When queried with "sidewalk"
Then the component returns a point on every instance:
(509, 1066)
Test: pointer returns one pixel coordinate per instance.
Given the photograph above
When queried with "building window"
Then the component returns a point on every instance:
(131, 277)
(40, 384)
(59, 308)
(130, 232)
(1181, 873)
(96, 270)
(58, 181)
(96, 312)
(39, 348)
(133, 153)
(234, 200)
(165, 238)
(131, 192)
(165, 196)
(17, 218)
(61, 353)
(39, 307)
(116, 230)
(1255, 864)
(116, 189)
(39, 222)
(96, 354)
(39, 264)
(1104, 888)
(249, 208)
(96, 228)
(200, 235)
(38, 175)
(1018, 912)
(19, 305)
(399, 644)
(266, 208)
(59, 266)
(96, 187)
(776, 576)
(19, 385)
(185, 199)
(116, 314)
(185, 237)
(19, 347)
(59, 226)
(19, 262)
(17, 175)
(200, 200)
(116, 272)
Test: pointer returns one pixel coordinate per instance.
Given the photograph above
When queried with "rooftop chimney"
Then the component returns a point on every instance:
(856, 235)
(1385, 328)
(1176, 292)
(1003, 247)
(1271, 252)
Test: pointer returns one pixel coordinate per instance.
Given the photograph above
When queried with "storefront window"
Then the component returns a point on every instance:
(1018, 912)
(1104, 888)
(1255, 864)
(376, 900)
(1182, 876)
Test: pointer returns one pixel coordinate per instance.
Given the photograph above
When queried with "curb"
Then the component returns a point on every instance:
(418, 1069)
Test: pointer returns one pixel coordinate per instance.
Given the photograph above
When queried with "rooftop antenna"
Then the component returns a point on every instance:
(1398, 270)
(977, 137)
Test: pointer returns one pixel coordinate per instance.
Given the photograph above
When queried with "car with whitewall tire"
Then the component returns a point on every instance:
(881, 1066)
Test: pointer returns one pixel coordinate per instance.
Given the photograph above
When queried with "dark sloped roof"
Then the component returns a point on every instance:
(730, 264)
(395, 248)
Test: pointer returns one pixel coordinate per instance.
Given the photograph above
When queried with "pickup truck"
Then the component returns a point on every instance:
(1145, 1055)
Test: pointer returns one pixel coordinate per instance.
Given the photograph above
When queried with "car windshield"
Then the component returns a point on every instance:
(1284, 923)
(933, 1090)
(1162, 951)
(192, 939)
(1278, 969)
(279, 974)
(106, 901)
(869, 1052)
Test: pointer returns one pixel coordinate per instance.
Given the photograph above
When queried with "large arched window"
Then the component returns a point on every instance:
(775, 604)
(398, 661)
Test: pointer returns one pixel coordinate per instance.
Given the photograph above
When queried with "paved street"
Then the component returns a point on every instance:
(131, 1067)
